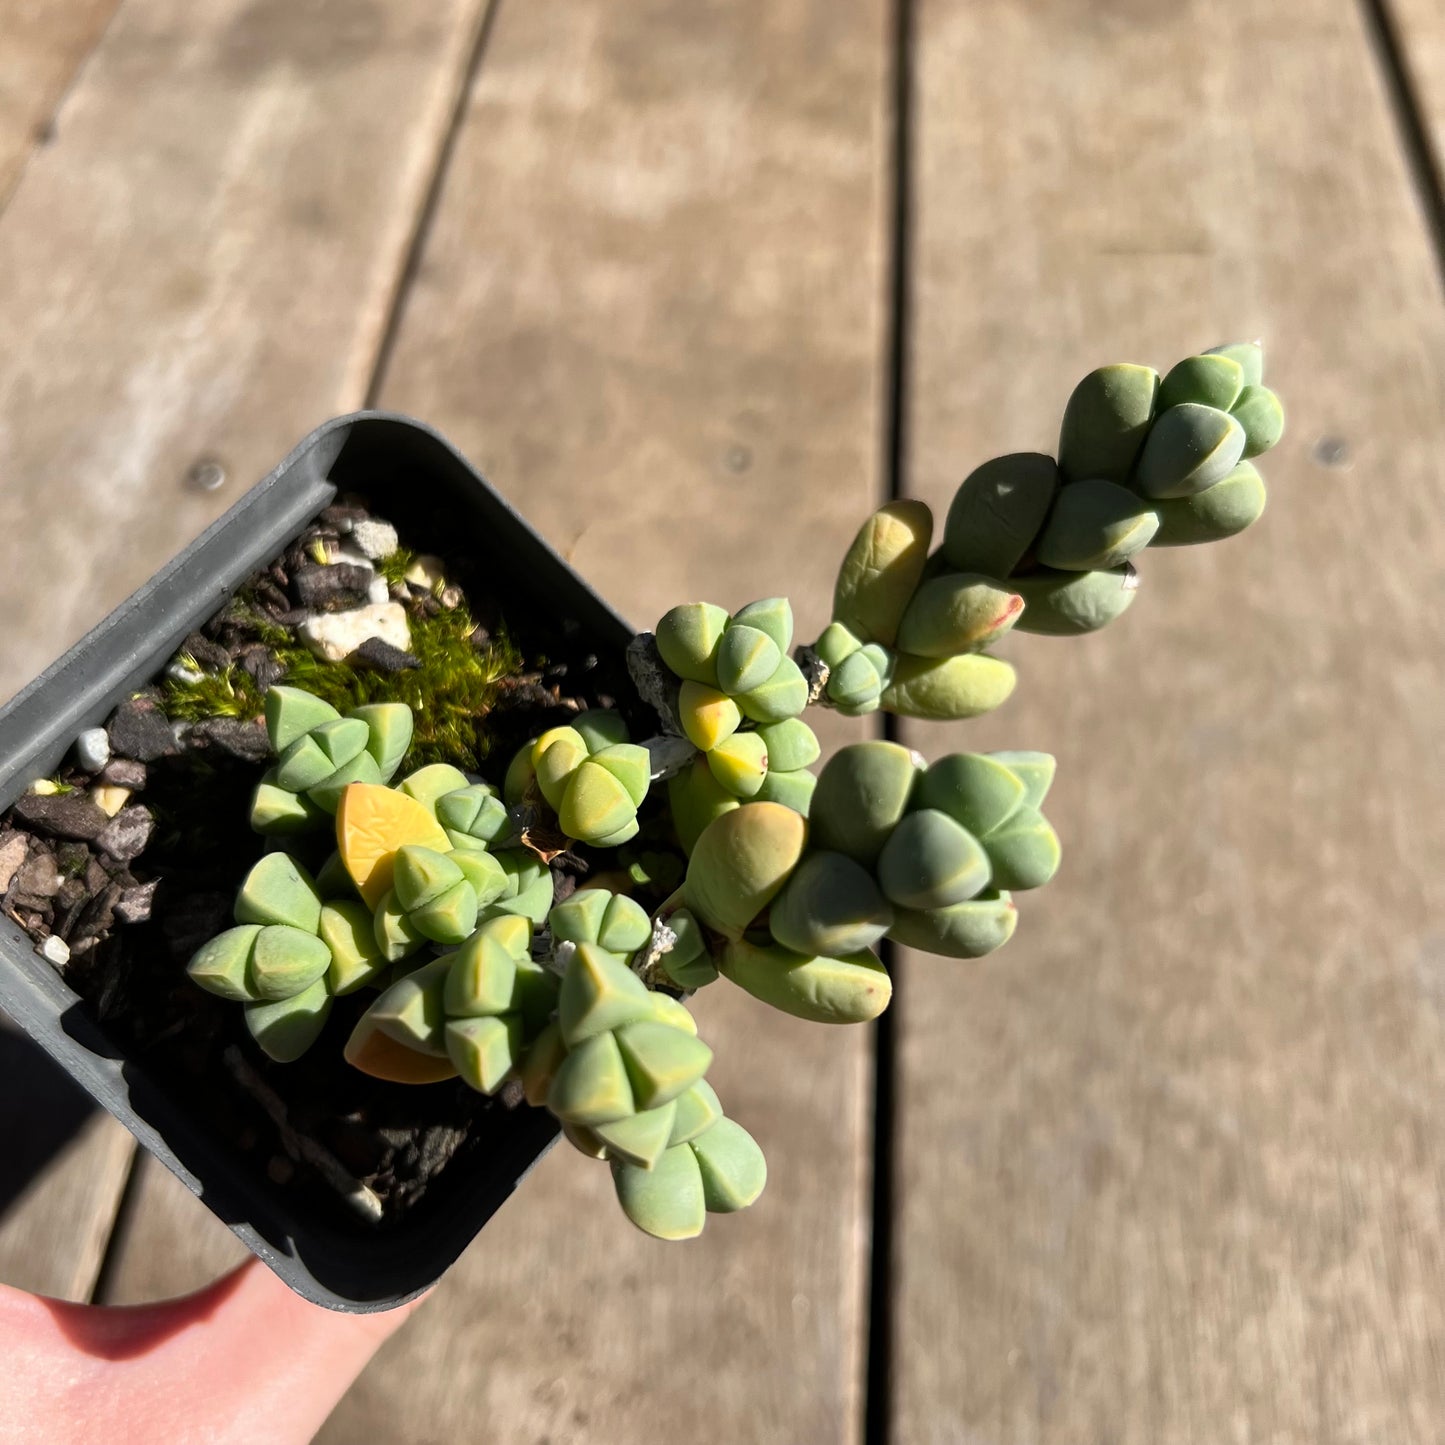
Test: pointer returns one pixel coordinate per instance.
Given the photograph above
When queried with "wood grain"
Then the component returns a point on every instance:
(1171, 1164)
(1419, 30)
(201, 265)
(200, 268)
(45, 44)
(649, 306)
(66, 1165)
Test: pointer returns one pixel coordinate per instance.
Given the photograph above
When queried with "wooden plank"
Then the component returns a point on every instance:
(1171, 1163)
(1419, 29)
(167, 1243)
(46, 42)
(201, 266)
(650, 307)
(65, 1164)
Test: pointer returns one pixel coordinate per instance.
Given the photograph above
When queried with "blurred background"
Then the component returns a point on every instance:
(697, 283)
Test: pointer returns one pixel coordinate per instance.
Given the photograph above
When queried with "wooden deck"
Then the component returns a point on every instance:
(696, 284)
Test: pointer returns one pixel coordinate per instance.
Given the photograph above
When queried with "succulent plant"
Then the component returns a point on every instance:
(712, 1165)
(529, 888)
(319, 752)
(276, 960)
(437, 897)
(857, 671)
(606, 920)
(791, 879)
(742, 658)
(1105, 423)
(861, 797)
(594, 785)
(688, 963)
(740, 863)
(622, 1068)
(881, 570)
(956, 613)
(432, 783)
(1094, 526)
(997, 512)
(849, 990)
(1220, 511)
(829, 905)
(1064, 604)
(471, 1012)
(695, 798)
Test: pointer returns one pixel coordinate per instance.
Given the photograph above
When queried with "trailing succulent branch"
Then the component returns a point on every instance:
(441, 898)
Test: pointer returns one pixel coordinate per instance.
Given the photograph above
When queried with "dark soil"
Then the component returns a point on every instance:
(133, 896)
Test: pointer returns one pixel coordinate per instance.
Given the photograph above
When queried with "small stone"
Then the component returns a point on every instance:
(55, 950)
(205, 653)
(451, 597)
(426, 572)
(138, 729)
(92, 749)
(96, 918)
(349, 553)
(124, 773)
(435, 1147)
(44, 788)
(127, 834)
(70, 895)
(96, 878)
(261, 663)
(342, 584)
(109, 798)
(336, 635)
(379, 591)
(238, 738)
(279, 1169)
(271, 597)
(61, 815)
(381, 655)
(374, 539)
(134, 904)
(343, 516)
(38, 876)
(13, 847)
(186, 676)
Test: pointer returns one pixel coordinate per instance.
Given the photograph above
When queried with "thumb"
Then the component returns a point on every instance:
(242, 1360)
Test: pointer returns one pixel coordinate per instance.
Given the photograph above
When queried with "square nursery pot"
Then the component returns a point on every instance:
(394, 461)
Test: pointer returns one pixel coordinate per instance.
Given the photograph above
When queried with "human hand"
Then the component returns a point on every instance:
(242, 1362)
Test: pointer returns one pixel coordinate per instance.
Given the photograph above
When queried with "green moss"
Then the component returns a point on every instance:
(394, 567)
(449, 693)
(232, 693)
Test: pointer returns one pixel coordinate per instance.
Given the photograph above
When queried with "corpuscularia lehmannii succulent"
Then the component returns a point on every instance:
(439, 905)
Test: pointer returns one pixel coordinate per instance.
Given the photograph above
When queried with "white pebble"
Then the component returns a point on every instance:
(378, 592)
(425, 572)
(55, 949)
(186, 676)
(92, 749)
(354, 556)
(375, 539)
(336, 635)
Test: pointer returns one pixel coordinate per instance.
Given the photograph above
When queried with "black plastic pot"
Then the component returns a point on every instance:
(392, 460)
